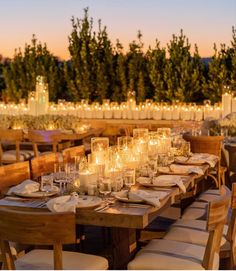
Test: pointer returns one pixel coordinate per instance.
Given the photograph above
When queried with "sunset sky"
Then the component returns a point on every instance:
(203, 21)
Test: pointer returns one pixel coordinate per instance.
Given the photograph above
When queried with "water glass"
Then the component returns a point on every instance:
(105, 186)
(129, 177)
(47, 183)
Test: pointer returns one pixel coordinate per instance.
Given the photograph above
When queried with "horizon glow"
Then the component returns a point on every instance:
(204, 22)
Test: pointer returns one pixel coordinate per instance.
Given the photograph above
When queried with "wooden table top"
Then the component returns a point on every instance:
(122, 215)
(70, 135)
(79, 136)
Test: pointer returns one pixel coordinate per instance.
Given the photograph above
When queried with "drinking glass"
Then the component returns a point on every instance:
(105, 186)
(129, 177)
(46, 183)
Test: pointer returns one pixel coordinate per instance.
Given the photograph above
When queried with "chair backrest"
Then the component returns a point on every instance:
(39, 228)
(232, 156)
(70, 154)
(13, 137)
(205, 144)
(44, 137)
(231, 234)
(217, 214)
(43, 164)
(13, 174)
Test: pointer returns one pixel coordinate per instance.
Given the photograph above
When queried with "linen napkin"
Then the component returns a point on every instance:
(27, 186)
(169, 180)
(210, 159)
(63, 203)
(199, 158)
(149, 197)
(186, 169)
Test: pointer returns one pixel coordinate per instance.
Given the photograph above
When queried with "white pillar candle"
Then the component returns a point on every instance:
(143, 113)
(86, 178)
(185, 114)
(198, 116)
(226, 104)
(108, 113)
(157, 114)
(135, 114)
(175, 113)
(88, 113)
(117, 113)
(129, 114)
(233, 104)
(167, 113)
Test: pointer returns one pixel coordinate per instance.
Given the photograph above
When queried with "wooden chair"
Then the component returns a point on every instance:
(167, 254)
(193, 231)
(43, 137)
(10, 175)
(43, 228)
(13, 174)
(70, 154)
(231, 149)
(43, 164)
(13, 137)
(211, 145)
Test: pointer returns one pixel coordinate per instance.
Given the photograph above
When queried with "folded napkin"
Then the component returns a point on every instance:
(144, 180)
(27, 186)
(210, 159)
(186, 169)
(63, 203)
(150, 197)
(168, 180)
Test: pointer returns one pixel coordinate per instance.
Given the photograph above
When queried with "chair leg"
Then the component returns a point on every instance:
(215, 180)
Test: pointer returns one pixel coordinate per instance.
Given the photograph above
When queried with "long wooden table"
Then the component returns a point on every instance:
(122, 218)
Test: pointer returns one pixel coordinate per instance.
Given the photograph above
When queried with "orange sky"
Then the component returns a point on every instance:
(203, 21)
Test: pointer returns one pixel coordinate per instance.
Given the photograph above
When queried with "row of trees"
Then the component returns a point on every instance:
(98, 69)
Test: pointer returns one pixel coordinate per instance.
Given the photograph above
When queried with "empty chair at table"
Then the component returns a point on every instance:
(44, 228)
(73, 154)
(44, 138)
(211, 145)
(194, 231)
(13, 138)
(44, 164)
(167, 254)
(11, 175)
(231, 149)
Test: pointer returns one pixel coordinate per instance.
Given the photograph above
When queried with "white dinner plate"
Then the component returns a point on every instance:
(39, 194)
(88, 201)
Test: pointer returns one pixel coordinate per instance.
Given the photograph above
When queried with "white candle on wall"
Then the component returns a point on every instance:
(198, 116)
(175, 113)
(167, 113)
(157, 113)
(108, 113)
(185, 114)
(135, 113)
(117, 112)
(226, 104)
(143, 113)
(234, 104)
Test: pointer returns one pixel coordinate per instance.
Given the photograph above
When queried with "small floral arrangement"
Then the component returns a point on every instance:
(229, 124)
(211, 127)
(42, 122)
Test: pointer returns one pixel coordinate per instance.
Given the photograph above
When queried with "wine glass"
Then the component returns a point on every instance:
(105, 187)
(129, 178)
